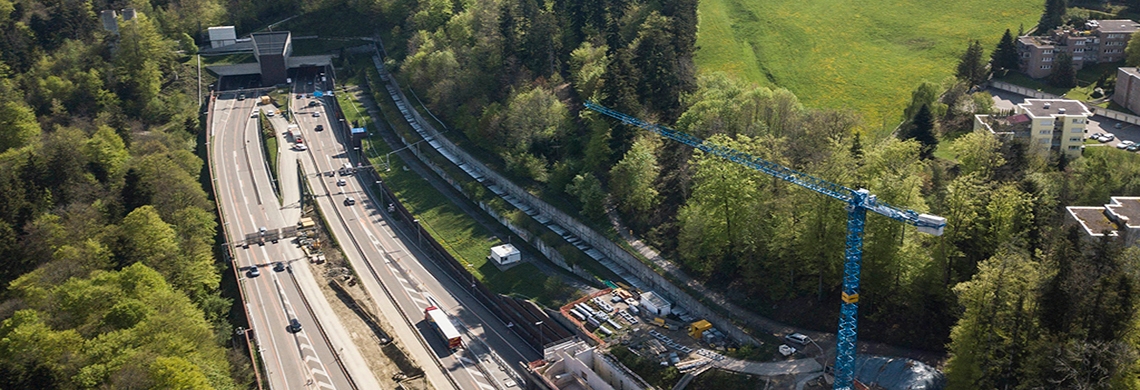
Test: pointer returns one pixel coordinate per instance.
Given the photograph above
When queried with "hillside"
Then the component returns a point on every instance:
(868, 57)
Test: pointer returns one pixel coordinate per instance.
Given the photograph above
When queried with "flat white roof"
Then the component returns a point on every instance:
(221, 33)
(504, 250)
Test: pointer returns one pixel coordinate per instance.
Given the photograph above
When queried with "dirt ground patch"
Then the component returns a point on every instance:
(370, 332)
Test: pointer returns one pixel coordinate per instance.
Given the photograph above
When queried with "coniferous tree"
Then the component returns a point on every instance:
(1053, 16)
(1063, 76)
(1005, 55)
(971, 67)
(922, 130)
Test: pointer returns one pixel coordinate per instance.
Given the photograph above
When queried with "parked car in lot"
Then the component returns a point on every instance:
(797, 338)
(1095, 136)
(1107, 137)
(1118, 125)
(1124, 144)
(1133, 148)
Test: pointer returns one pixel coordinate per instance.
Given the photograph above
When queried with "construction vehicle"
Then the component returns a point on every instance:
(697, 329)
(265, 100)
(306, 223)
(858, 203)
(660, 322)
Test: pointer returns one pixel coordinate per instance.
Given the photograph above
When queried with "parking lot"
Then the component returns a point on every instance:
(1097, 124)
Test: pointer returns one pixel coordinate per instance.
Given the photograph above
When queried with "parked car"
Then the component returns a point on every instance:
(797, 338)
(254, 272)
(1096, 136)
(1118, 125)
(1106, 137)
(1124, 144)
(1133, 148)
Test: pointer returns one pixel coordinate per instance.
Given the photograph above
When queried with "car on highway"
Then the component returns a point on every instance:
(254, 272)
(278, 266)
(341, 182)
(300, 147)
(314, 103)
(1124, 144)
(297, 138)
(298, 96)
(319, 128)
(241, 97)
(349, 201)
(271, 113)
(262, 231)
(294, 325)
(316, 114)
(797, 338)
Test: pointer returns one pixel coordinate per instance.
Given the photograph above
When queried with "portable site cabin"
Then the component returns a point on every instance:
(505, 254)
(654, 304)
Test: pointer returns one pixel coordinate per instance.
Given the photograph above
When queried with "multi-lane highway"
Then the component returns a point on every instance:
(389, 264)
(320, 354)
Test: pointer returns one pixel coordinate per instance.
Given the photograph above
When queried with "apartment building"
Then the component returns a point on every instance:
(1096, 42)
(1119, 219)
(1046, 125)
(1127, 91)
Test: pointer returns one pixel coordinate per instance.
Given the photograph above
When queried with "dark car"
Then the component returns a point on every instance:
(294, 325)
(313, 103)
(241, 97)
(319, 127)
(279, 266)
(254, 272)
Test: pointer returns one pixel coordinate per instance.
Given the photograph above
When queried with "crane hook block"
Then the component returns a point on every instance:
(931, 224)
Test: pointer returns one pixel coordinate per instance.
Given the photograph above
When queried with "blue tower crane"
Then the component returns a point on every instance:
(858, 202)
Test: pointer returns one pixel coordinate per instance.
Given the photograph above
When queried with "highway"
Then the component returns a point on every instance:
(308, 358)
(390, 265)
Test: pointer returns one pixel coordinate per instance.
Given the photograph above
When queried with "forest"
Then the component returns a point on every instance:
(107, 234)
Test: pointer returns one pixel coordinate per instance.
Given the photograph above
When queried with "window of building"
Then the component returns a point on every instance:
(1075, 139)
(1046, 123)
(1044, 132)
(1047, 59)
(1074, 147)
(1078, 120)
(1080, 43)
(1078, 58)
(1044, 141)
(1079, 50)
(1046, 66)
(1050, 51)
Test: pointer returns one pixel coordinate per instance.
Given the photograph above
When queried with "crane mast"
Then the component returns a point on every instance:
(858, 203)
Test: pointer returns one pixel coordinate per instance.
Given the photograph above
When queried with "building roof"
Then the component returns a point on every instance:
(1019, 118)
(218, 33)
(654, 299)
(504, 250)
(269, 43)
(1037, 107)
(1035, 41)
(1126, 210)
(1093, 220)
(1131, 71)
(1117, 26)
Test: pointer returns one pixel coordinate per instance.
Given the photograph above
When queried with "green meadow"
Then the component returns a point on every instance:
(865, 55)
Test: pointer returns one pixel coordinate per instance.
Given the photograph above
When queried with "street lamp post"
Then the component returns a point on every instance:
(822, 356)
(380, 185)
(419, 236)
(540, 338)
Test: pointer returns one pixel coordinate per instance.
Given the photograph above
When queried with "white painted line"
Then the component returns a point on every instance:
(484, 385)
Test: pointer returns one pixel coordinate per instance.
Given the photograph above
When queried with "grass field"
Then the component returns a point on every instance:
(866, 56)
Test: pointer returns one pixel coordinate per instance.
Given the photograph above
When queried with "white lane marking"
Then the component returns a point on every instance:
(484, 385)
